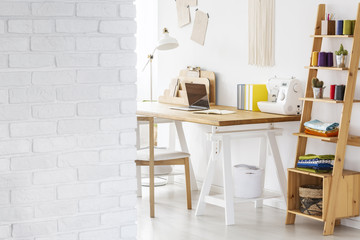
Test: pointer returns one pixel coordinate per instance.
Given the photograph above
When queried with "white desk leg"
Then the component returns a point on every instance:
(205, 189)
(262, 165)
(278, 163)
(228, 181)
(184, 148)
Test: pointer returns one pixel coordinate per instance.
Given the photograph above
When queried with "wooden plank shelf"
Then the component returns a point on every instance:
(326, 100)
(328, 139)
(322, 175)
(332, 36)
(297, 212)
(327, 68)
(352, 140)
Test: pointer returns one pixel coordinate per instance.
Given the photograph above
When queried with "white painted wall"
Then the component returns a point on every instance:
(225, 52)
(67, 120)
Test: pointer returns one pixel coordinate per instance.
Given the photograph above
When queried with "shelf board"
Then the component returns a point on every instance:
(328, 139)
(352, 139)
(332, 36)
(322, 175)
(297, 212)
(326, 100)
(328, 68)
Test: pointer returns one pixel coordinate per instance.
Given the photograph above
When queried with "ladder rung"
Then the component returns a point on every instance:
(352, 140)
(328, 68)
(326, 100)
(328, 139)
(332, 36)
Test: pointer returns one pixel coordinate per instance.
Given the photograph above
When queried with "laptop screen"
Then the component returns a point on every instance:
(197, 95)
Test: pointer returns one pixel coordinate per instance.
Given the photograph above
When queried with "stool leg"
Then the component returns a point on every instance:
(152, 189)
(138, 180)
(188, 183)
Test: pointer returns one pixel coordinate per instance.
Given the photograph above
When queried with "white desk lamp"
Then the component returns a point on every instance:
(165, 43)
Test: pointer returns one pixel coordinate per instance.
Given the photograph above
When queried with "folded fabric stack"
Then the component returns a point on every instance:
(316, 163)
(319, 128)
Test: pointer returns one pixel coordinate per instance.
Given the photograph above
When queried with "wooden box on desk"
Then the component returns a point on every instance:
(180, 98)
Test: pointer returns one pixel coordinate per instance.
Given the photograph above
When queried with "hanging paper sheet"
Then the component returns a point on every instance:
(191, 3)
(183, 12)
(261, 32)
(200, 27)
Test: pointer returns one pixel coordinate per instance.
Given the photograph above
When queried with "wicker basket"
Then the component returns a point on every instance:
(311, 199)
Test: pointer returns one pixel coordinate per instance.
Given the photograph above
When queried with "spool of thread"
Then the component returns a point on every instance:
(322, 59)
(352, 26)
(330, 59)
(347, 27)
(314, 58)
(339, 27)
(339, 92)
(332, 91)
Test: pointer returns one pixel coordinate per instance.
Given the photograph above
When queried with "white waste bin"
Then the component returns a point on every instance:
(247, 181)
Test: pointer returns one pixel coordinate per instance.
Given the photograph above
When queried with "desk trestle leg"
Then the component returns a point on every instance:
(228, 182)
(262, 165)
(205, 189)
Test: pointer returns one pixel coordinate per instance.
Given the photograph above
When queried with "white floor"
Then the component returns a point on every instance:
(173, 221)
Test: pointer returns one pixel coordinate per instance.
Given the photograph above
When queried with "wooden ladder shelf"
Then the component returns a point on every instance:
(341, 188)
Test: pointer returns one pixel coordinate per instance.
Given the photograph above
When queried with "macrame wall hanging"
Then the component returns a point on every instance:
(261, 32)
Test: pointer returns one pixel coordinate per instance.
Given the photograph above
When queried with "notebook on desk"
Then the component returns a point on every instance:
(197, 98)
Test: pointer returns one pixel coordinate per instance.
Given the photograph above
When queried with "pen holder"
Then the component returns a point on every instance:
(328, 27)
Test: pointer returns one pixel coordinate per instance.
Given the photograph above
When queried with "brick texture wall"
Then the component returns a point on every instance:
(67, 120)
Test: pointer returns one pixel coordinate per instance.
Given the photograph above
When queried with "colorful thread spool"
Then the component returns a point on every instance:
(322, 61)
(329, 59)
(339, 27)
(352, 26)
(347, 27)
(314, 58)
(332, 91)
(339, 92)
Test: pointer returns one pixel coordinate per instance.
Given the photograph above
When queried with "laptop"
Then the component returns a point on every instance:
(197, 98)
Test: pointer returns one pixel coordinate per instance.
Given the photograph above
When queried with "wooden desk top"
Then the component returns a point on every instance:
(162, 110)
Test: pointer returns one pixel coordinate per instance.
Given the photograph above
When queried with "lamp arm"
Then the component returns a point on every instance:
(149, 58)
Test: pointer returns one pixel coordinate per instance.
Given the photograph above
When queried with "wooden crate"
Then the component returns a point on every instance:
(348, 196)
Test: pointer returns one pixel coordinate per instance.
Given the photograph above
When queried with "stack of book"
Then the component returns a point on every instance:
(249, 95)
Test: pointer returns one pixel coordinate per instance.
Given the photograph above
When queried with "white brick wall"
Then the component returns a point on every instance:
(67, 120)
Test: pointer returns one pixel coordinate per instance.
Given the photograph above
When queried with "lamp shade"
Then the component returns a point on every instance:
(167, 42)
